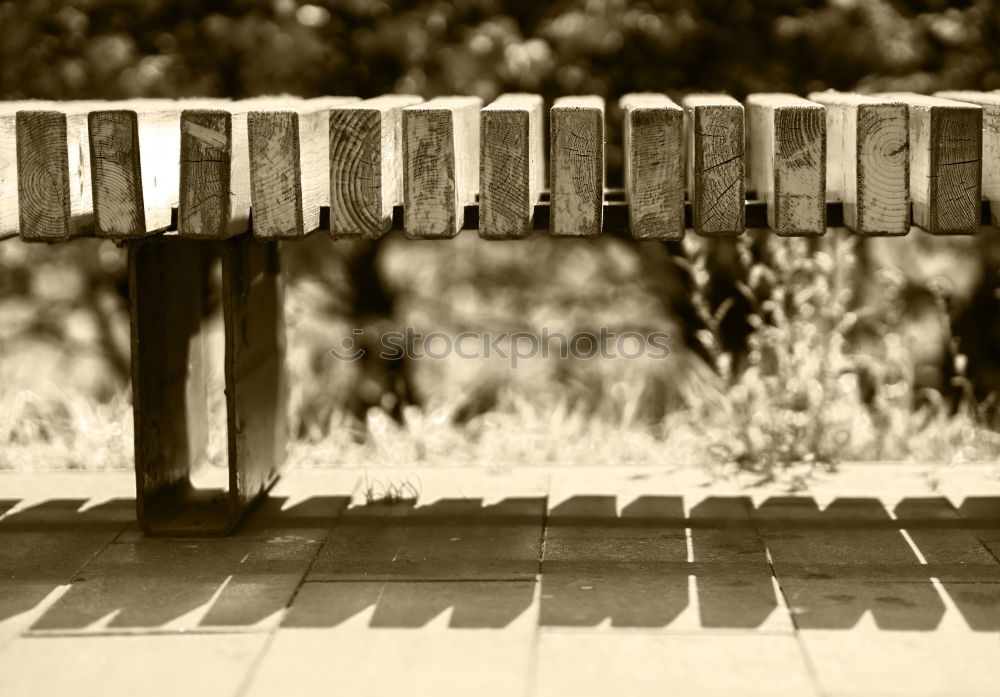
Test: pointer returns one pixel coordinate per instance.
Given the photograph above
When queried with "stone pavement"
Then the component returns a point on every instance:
(878, 581)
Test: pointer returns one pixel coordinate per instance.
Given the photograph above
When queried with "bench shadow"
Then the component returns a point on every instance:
(588, 561)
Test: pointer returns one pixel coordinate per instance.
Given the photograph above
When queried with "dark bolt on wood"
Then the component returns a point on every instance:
(170, 292)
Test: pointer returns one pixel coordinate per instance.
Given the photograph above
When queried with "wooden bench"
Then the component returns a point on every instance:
(186, 184)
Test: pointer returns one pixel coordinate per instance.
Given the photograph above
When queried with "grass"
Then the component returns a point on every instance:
(807, 393)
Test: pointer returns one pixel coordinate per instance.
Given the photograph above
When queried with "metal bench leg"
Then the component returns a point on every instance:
(169, 291)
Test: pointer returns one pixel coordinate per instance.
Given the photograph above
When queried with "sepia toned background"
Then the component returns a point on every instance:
(786, 354)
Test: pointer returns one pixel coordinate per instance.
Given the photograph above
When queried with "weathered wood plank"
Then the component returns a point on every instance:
(170, 281)
(714, 131)
(945, 162)
(256, 376)
(215, 168)
(512, 165)
(366, 165)
(990, 104)
(441, 165)
(135, 165)
(868, 161)
(577, 166)
(289, 164)
(55, 198)
(786, 145)
(654, 166)
(9, 208)
(168, 287)
(8, 171)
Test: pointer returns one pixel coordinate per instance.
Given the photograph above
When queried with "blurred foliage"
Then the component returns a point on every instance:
(62, 313)
(236, 48)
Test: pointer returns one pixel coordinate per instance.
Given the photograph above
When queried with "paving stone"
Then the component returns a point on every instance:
(330, 604)
(413, 604)
(984, 509)
(905, 663)
(637, 664)
(840, 604)
(982, 514)
(447, 539)
(626, 594)
(722, 530)
(911, 572)
(182, 585)
(210, 665)
(727, 601)
(404, 641)
(675, 597)
(978, 603)
(650, 528)
(43, 544)
(937, 529)
(625, 561)
(650, 584)
(803, 539)
(993, 546)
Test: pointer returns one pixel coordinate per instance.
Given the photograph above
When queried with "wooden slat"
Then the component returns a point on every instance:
(289, 161)
(215, 168)
(256, 376)
(55, 198)
(135, 156)
(512, 165)
(868, 161)
(577, 166)
(9, 209)
(786, 147)
(945, 162)
(441, 165)
(366, 165)
(990, 104)
(716, 174)
(8, 171)
(169, 282)
(654, 166)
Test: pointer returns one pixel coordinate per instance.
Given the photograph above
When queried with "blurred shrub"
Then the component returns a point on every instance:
(114, 49)
(122, 48)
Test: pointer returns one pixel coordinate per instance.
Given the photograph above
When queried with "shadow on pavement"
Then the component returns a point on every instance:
(587, 561)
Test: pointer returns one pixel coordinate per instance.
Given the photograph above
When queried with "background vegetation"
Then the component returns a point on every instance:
(785, 353)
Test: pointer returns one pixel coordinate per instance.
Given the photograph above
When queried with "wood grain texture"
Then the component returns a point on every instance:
(716, 170)
(169, 281)
(512, 165)
(990, 104)
(868, 161)
(255, 371)
(289, 161)
(786, 147)
(366, 165)
(577, 166)
(9, 208)
(654, 166)
(215, 168)
(441, 165)
(135, 164)
(55, 195)
(945, 162)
